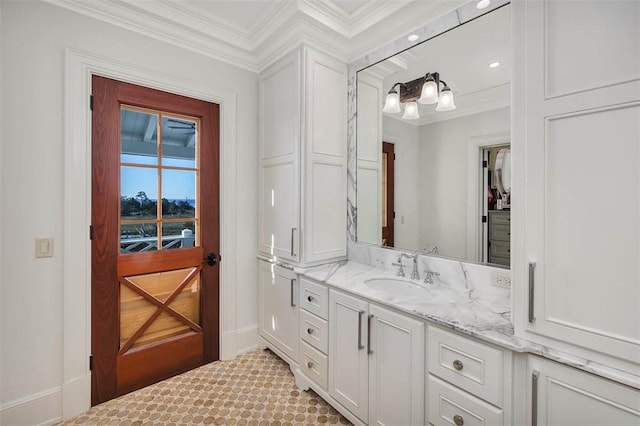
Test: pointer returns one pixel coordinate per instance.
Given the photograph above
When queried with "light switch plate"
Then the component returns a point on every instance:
(44, 247)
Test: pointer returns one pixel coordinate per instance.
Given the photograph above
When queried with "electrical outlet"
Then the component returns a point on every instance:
(501, 279)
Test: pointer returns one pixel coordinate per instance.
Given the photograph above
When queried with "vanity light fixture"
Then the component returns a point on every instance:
(424, 90)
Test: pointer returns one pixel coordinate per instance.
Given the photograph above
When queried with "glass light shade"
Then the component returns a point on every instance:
(411, 111)
(445, 103)
(392, 103)
(429, 94)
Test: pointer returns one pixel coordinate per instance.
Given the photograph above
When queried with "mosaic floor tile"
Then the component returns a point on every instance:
(255, 389)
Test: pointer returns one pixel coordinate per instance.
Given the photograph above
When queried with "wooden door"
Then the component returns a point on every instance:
(388, 185)
(155, 218)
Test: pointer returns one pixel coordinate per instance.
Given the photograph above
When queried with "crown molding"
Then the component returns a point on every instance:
(121, 15)
(284, 25)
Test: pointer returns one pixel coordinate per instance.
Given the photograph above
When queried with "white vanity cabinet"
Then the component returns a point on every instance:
(576, 162)
(562, 395)
(469, 382)
(278, 295)
(376, 361)
(303, 158)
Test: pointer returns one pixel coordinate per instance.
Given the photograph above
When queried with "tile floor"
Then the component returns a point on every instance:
(255, 389)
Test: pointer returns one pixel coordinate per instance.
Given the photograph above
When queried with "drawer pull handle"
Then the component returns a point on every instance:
(309, 365)
(458, 365)
(458, 420)
(292, 231)
(309, 330)
(309, 298)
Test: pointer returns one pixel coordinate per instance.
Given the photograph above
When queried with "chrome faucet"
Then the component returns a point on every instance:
(414, 273)
(428, 279)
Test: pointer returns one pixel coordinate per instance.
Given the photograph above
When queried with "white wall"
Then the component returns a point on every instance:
(443, 176)
(33, 38)
(405, 137)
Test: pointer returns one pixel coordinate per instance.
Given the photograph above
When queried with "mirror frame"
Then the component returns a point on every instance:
(463, 14)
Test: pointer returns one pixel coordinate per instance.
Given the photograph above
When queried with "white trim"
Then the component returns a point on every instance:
(80, 66)
(33, 409)
(474, 182)
(248, 339)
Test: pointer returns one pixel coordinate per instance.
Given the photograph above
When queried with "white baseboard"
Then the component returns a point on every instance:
(247, 339)
(237, 342)
(42, 408)
(76, 396)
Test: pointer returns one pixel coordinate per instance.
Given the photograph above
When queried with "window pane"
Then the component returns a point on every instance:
(139, 193)
(139, 137)
(178, 235)
(179, 142)
(179, 194)
(138, 237)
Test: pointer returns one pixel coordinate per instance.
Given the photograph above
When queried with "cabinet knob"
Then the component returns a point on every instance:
(458, 420)
(309, 365)
(309, 330)
(309, 298)
(458, 365)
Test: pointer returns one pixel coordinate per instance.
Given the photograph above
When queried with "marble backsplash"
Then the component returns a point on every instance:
(473, 278)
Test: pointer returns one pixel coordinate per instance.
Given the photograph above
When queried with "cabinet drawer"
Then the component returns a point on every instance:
(500, 249)
(497, 217)
(449, 405)
(499, 233)
(313, 364)
(470, 365)
(314, 331)
(314, 298)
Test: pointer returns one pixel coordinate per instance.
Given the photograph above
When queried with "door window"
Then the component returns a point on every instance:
(158, 180)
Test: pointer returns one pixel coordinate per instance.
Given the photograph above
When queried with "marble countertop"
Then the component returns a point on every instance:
(450, 307)
(453, 308)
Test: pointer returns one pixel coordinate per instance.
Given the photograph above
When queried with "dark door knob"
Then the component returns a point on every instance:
(211, 259)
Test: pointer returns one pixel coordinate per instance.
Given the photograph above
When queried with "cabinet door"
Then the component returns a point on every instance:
(396, 369)
(278, 309)
(348, 359)
(564, 396)
(325, 158)
(576, 175)
(279, 142)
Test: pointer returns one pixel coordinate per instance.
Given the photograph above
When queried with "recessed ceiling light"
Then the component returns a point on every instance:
(483, 4)
(494, 64)
(413, 37)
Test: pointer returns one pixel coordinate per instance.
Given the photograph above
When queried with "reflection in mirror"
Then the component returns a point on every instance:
(448, 190)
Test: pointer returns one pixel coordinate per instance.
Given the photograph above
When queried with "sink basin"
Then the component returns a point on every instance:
(396, 286)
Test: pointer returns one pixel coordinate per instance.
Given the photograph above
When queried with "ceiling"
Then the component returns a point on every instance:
(254, 33)
(462, 58)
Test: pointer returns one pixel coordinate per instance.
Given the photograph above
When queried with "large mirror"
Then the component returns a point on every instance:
(433, 168)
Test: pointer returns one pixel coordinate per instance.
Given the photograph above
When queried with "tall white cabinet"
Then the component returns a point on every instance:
(303, 158)
(576, 157)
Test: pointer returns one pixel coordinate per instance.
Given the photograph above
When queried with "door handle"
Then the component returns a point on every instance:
(369, 350)
(532, 267)
(534, 397)
(292, 241)
(293, 303)
(212, 259)
(360, 345)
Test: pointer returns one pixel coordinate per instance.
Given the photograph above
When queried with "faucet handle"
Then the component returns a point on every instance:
(401, 270)
(428, 278)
